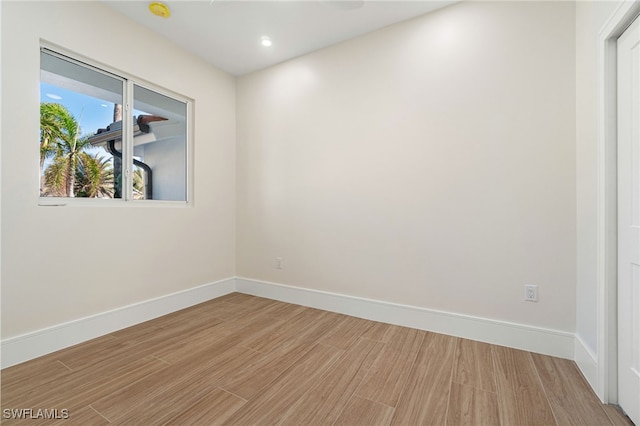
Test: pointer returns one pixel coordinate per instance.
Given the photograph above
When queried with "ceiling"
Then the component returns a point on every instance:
(227, 33)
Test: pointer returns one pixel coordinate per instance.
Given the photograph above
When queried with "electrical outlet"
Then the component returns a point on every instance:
(531, 293)
(279, 263)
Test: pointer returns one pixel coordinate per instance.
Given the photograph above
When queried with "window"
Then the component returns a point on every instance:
(106, 136)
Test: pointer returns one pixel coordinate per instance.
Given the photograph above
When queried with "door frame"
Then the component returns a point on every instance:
(607, 200)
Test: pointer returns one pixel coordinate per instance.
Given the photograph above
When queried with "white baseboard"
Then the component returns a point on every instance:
(587, 363)
(562, 344)
(519, 336)
(16, 350)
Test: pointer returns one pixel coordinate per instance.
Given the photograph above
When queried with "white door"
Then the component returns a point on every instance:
(629, 221)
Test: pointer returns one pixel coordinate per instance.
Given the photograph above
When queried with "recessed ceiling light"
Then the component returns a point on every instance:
(159, 9)
(266, 41)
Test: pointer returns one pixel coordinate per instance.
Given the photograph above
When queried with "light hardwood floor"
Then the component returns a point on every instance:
(244, 360)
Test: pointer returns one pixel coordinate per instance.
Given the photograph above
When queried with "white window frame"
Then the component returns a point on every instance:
(127, 137)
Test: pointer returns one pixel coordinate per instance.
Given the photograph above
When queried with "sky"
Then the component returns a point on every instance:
(91, 113)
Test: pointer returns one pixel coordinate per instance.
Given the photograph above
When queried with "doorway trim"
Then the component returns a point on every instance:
(607, 223)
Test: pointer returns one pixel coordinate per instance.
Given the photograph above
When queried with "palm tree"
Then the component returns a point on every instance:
(94, 176)
(138, 184)
(73, 171)
(50, 133)
(54, 179)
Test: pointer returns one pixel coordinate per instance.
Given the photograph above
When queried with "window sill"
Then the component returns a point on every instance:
(109, 202)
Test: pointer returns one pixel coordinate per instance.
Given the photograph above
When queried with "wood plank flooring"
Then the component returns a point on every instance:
(245, 360)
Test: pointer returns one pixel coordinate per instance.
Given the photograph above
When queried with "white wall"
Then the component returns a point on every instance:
(166, 158)
(590, 19)
(64, 263)
(431, 163)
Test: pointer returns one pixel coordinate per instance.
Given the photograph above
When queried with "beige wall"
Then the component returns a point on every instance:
(431, 163)
(64, 263)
